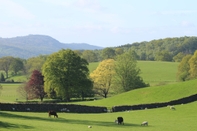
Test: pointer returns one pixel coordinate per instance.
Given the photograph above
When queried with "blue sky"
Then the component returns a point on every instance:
(105, 23)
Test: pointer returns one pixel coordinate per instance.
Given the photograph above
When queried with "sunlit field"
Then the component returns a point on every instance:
(161, 119)
(9, 93)
(153, 72)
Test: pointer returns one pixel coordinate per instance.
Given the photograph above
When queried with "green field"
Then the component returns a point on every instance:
(155, 94)
(161, 119)
(153, 72)
(9, 93)
(162, 74)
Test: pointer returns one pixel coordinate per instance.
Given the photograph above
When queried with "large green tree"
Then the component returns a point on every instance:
(66, 73)
(193, 65)
(183, 69)
(127, 72)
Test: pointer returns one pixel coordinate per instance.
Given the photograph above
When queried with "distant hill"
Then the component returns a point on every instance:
(34, 45)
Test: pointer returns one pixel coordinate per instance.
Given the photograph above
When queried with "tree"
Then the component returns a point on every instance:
(34, 88)
(102, 77)
(5, 63)
(66, 73)
(119, 51)
(108, 53)
(25, 92)
(183, 69)
(34, 63)
(127, 72)
(193, 65)
(17, 65)
(178, 57)
(163, 56)
(36, 83)
(89, 55)
(2, 78)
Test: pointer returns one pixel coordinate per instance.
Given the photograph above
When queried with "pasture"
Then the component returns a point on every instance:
(154, 94)
(161, 119)
(9, 93)
(153, 72)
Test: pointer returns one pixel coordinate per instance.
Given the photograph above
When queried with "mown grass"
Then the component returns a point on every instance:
(163, 93)
(160, 119)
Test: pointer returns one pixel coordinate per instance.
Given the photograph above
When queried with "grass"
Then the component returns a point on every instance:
(158, 72)
(153, 72)
(161, 119)
(9, 93)
(163, 93)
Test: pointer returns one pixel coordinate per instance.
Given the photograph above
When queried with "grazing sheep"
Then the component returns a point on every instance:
(119, 120)
(89, 126)
(145, 123)
(172, 108)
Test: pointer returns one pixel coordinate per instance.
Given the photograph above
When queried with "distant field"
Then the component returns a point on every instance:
(153, 72)
(157, 72)
(9, 93)
(161, 119)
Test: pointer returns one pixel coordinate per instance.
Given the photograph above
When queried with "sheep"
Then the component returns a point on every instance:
(89, 126)
(119, 120)
(145, 123)
(172, 108)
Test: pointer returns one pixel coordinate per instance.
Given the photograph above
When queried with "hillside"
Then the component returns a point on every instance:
(167, 49)
(34, 45)
(149, 95)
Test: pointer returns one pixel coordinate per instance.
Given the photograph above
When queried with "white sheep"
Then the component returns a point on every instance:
(145, 123)
(89, 126)
(172, 108)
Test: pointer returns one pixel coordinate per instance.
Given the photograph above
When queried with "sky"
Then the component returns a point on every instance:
(105, 23)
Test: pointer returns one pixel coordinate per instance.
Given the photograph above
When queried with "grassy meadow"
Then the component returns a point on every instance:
(162, 77)
(161, 119)
(9, 93)
(153, 72)
(154, 94)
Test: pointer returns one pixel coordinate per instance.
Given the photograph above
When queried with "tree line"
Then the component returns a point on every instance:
(65, 75)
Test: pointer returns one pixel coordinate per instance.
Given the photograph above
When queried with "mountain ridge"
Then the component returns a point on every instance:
(34, 45)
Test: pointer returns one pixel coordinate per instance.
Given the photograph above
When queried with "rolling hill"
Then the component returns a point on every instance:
(149, 95)
(34, 45)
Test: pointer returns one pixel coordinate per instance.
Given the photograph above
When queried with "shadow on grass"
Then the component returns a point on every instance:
(68, 121)
(11, 125)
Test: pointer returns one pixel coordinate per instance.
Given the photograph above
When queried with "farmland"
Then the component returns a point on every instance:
(161, 75)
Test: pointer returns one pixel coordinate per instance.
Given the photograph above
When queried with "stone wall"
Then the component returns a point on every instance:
(154, 105)
(56, 107)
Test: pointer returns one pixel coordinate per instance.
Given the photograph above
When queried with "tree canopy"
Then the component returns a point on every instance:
(127, 72)
(66, 73)
(183, 69)
(102, 77)
(193, 66)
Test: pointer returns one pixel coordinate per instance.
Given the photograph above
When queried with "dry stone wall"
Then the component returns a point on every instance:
(56, 107)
